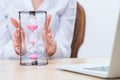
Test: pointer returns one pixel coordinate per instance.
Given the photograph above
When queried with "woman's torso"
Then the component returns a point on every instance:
(55, 8)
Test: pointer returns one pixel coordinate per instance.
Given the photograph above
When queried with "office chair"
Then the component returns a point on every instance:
(79, 31)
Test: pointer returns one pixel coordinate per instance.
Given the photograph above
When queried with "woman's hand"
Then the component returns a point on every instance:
(49, 42)
(16, 38)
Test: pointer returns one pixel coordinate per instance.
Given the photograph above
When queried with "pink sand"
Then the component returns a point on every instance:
(32, 27)
(33, 56)
(33, 42)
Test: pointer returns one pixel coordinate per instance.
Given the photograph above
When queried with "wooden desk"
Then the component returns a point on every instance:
(11, 70)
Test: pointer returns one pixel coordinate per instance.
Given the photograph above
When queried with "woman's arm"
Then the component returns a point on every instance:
(6, 47)
(64, 35)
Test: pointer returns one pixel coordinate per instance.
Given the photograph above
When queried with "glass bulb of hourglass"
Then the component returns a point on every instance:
(32, 26)
(33, 53)
(32, 23)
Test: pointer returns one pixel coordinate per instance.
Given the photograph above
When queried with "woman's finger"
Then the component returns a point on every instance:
(49, 35)
(47, 22)
(22, 35)
(14, 22)
(49, 29)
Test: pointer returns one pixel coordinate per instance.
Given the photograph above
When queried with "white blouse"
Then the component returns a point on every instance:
(63, 13)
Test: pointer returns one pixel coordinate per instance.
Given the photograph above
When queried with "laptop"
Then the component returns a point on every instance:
(110, 70)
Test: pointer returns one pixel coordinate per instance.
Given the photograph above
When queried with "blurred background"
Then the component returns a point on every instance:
(101, 23)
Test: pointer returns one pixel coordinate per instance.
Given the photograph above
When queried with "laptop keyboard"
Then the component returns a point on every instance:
(102, 68)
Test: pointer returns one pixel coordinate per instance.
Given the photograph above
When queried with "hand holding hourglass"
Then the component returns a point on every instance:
(51, 44)
(16, 37)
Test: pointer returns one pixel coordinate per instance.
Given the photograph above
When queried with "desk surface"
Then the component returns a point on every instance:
(11, 70)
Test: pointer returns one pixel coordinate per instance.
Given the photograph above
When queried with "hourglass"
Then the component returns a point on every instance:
(32, 23)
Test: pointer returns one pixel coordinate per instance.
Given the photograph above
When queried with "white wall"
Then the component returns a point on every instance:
(101, 22)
